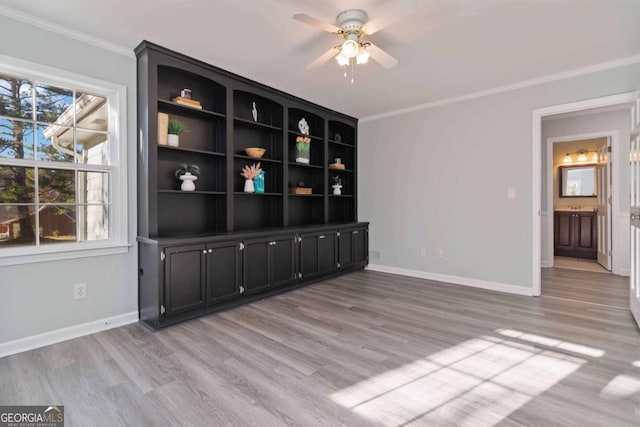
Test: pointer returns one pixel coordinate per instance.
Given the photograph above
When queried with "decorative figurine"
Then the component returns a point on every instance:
(254, 112)
(303, 126)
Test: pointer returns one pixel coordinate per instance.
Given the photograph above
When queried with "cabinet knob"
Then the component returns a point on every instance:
(272, 243)
(204, 251)
(321, 237)
(355, 232)
(210, 250)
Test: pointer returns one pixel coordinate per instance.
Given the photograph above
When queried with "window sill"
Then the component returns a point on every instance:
(29, 255)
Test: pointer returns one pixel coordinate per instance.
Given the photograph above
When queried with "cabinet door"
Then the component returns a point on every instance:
(223, 271)
(309, 255)
(586, 235)
(282, 254)
(563, 234)
(255, 265)
(184, 279)
(345, 248)
(360, 246)
(327, 251)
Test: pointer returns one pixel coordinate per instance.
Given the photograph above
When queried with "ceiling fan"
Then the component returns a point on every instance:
(353, 26)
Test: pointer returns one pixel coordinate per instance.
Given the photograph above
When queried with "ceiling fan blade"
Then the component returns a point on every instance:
(382, 57)
(316, 23)
(323, 58)
(397, 12)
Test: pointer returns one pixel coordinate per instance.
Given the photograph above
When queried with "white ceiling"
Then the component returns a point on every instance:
(447, 48)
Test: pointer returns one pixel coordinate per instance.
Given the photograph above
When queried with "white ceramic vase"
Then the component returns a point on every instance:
(188, 183)
(248, 186)
(337, 189)
(173, 140)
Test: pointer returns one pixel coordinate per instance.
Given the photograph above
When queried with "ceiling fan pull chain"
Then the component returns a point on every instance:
(352, 69)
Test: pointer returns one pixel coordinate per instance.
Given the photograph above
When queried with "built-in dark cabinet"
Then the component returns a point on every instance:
(184, 279)
(223, 261)
(269, 262)
(217, 246)
(575, 234)
(353, 247)
(318, 253)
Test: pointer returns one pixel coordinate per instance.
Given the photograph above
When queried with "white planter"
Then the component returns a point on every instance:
(173, 140)
(248, 186)
(187, 181)
(337, 189)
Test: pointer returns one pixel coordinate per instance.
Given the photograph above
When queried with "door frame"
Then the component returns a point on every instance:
(616, 268)
(536, 163)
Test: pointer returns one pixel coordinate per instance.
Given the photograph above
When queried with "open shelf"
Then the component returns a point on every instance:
(251, 123)
(216, 138)
(181, 109)
(256, 160)
(191, 150)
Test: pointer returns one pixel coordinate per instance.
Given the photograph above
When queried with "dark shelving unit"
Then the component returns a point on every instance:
(187, 239)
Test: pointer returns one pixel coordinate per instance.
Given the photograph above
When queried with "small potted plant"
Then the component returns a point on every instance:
(187, 174)
(337, 185)
(249, 173)
(175, 128)
(303, 146)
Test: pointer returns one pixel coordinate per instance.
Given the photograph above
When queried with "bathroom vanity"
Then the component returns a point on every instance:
(575, 233)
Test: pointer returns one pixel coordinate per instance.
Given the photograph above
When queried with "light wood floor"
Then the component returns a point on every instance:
(591, 287)
(579, 264)
(362, 350)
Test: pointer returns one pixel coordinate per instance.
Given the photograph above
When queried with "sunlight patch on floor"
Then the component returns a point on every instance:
(620, 387)
(478, 382)
(582, 350)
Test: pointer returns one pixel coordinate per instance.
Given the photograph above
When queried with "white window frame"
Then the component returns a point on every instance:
(116, 95)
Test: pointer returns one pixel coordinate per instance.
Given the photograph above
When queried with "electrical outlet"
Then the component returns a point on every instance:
(440, 253)
(423, 252)
(79, 291)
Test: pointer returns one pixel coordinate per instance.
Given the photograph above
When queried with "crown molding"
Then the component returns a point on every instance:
(63, 31)
(501, 89)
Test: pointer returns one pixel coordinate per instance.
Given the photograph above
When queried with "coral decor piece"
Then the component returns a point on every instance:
(251, 172)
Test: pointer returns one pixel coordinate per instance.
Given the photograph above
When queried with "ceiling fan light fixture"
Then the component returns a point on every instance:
(342, 60)
(363, 57)
(350, 46)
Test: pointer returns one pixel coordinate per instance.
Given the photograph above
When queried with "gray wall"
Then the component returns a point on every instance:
(438, 179)
(36, 298)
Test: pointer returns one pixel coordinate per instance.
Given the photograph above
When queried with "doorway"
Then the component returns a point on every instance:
(580, 190)
(614, 101)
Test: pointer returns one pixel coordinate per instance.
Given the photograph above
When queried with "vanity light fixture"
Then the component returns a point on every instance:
(583, 156)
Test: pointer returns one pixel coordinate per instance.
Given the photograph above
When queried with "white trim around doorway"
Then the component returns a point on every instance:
(536, 156)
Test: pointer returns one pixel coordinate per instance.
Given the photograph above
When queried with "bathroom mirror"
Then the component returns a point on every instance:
(577, 181)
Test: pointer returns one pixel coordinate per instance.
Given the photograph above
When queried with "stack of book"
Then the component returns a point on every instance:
(188, 102)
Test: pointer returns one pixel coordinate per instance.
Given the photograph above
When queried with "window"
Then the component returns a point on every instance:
(60, 167)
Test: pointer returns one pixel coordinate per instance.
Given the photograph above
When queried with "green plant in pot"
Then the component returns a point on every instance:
(175, 128)
(188, 175)
(336, 185)
(303, 148)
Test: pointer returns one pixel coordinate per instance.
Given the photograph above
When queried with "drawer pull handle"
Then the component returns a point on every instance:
(321, 237)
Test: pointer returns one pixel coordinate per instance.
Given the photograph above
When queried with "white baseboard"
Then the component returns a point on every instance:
(465, 281)
(41, 340)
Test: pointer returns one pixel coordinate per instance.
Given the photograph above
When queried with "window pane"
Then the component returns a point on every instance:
(16, 139)
(54, 105)
(16, 225)
(16, 185)
(93, 187)
(16, 97)
(92, 147)
(93, 222)
(56, 186)
(57, 224)
(92, 112)
(55, 143)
